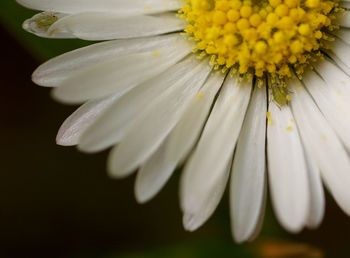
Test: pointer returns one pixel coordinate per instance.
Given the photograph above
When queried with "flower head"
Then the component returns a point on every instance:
(224, 88)
(267, 36)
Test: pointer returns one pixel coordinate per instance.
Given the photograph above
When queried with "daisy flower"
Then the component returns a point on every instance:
(252, 92)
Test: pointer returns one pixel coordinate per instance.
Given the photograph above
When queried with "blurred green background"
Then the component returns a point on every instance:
(57, 202)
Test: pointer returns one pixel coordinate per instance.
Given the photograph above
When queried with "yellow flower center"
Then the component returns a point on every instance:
(261, 36)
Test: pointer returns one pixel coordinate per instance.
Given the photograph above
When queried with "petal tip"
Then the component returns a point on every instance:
(240, 236)
(39, 79)
(191, 222)
(66, 137)
(63, 95)
(142, 194)
(86, 148)
(293, 228)
(63, 140)
(115, 170)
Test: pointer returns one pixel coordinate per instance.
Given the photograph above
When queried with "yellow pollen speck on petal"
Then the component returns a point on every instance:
(268, 114)
(289, 128)
(269, 119)
(323, 137)
(275, 37)
(199, 95)
(156, 53)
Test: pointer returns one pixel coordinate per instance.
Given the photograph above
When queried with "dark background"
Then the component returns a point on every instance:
(57, 202)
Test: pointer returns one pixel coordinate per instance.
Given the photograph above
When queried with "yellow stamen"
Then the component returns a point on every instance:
(271, 36)
(275, 37)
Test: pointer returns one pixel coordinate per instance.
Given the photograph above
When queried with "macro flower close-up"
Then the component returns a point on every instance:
(245, 95)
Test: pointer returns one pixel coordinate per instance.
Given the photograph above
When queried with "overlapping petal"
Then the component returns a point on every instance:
(248, 170)
(146, 96)
(125, 7)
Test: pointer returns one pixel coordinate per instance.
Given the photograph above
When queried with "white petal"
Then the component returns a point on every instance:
(154, 124)
(54, 71)
(317, 200)
(31, 25)
(120, 74)
(338, 62)
(206, 169)
(345, 4)
(260, 221)
(333, 106)
(322, 145)
(287, 169)
(156, 171)
(116, 6)
(248, 171)
(341, 50)
(344, 20)
(76, 124)
(111, 127)
(334, 78)
(343, 34)
(151, 179)
(105, 26)
(198, 214)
